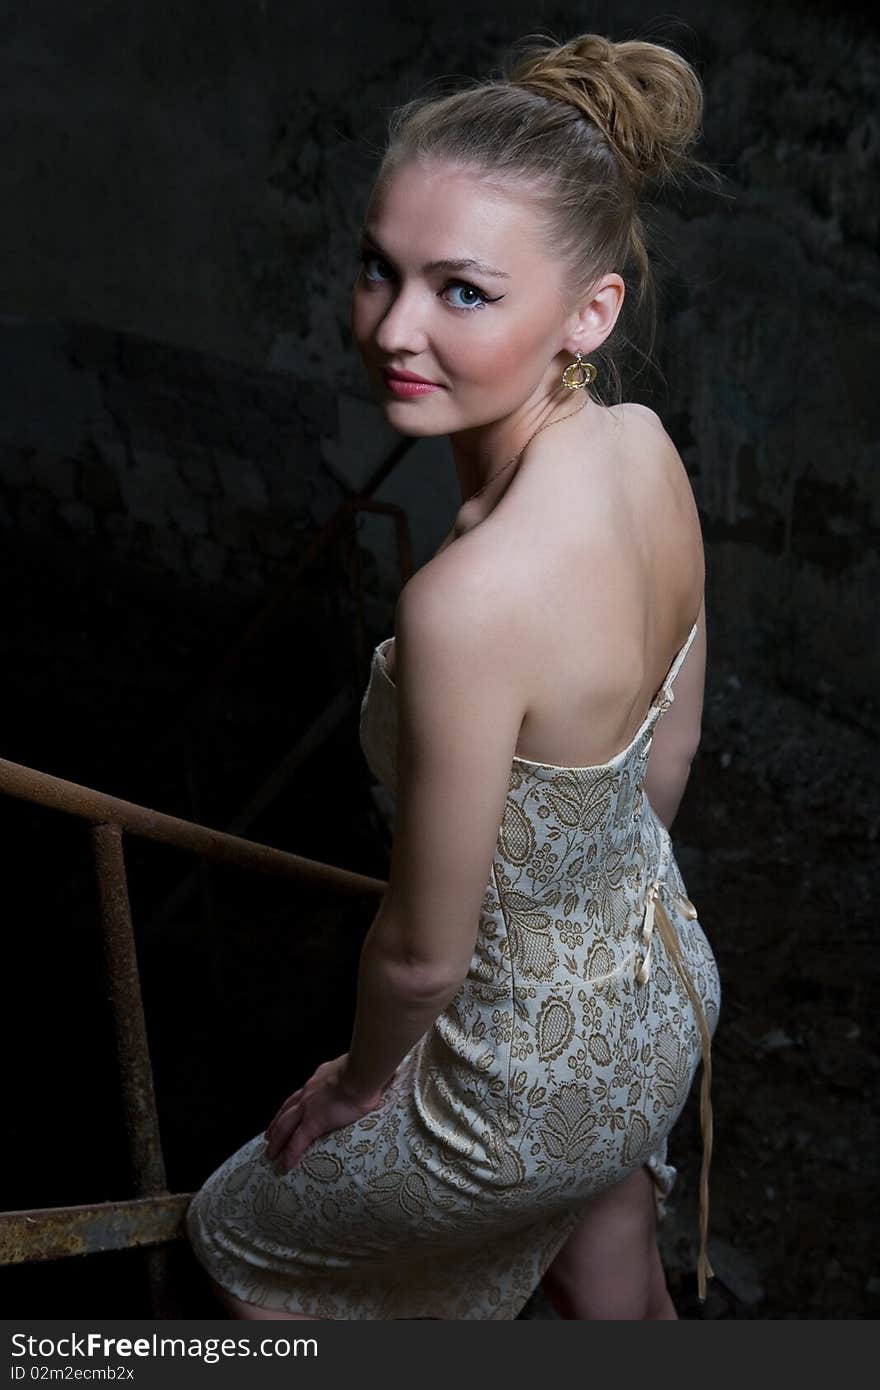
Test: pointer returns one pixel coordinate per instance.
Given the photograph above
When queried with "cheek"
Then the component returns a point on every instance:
(500, 354)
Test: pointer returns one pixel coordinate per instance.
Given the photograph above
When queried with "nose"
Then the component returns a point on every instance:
(401, 327)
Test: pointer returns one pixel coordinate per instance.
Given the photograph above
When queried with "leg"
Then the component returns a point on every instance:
(237, 1308)
(610, 1267)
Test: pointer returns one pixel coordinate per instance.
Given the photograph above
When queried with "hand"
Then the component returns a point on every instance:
(319, 1107)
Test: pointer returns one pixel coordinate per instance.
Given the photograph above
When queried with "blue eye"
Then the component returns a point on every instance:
(462, 286)
(467, 289)
(369, 256)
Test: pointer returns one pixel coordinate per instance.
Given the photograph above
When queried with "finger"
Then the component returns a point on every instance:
(291, 1156)
(281, 1134)
(289, 1104)
(297, 1095)
(281, 1131)
(276, 1128)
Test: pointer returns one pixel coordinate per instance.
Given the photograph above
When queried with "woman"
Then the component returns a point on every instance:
(535, 993)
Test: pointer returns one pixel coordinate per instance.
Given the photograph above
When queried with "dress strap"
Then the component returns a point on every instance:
(665, 694)
(655, 911)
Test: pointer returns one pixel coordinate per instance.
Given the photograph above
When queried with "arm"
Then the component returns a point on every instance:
(677, 732)
(459, 717)
(395, 1007)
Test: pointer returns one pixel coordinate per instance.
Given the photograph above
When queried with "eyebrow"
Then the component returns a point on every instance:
(461, 263)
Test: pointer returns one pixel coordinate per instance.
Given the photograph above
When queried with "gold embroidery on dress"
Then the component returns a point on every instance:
(561, 1064)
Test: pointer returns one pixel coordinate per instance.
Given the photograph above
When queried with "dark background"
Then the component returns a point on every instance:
(182, 412)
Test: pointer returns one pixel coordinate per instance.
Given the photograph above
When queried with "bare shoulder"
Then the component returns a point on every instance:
(641, 422)
(642, 412)
(633, 413)
(461, 608)
(669, 505)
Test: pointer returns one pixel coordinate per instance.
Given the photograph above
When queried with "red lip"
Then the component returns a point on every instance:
(407, 376)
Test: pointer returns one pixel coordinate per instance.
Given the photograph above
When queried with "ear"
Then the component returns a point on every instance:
(589, 325)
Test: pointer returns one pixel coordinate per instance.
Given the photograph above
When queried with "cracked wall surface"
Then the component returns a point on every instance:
(181, 408)
(167, 456)
(197, 178)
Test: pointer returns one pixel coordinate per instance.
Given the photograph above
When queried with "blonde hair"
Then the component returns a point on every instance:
(585, 126)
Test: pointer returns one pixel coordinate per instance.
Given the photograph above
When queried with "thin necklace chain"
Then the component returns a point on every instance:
(521, 451)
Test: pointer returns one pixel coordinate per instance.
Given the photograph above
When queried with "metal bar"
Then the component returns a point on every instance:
(41, 789)
(207, 686)
(279, 777)
(164, 1299)
(319, 542)
(51, 1233)
(318, 731)
(356, 589)
(132, 1047)
(202, 874)
(401, 527)
(157, 1217)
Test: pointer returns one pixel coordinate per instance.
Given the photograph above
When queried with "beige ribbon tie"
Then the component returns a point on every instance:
(656, 913)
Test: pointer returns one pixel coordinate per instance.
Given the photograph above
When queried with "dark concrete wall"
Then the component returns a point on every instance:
(197, 175)
(180, 408)
(175, 459)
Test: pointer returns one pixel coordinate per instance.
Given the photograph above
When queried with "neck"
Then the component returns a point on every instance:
(483, 450)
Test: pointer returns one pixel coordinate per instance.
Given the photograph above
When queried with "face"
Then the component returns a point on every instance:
(487, 335)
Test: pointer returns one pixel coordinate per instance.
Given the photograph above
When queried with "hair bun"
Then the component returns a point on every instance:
(646, 99)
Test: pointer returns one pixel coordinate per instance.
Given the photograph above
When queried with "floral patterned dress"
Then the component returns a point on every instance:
(559, 1067)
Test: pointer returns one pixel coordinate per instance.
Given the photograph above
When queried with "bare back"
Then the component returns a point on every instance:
(607, 574)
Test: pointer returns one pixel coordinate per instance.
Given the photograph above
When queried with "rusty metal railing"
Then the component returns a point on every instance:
(211, 682)
(154, 1217)
(191, 709)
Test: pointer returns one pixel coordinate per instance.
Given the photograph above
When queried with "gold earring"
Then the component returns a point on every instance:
(586, 369)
